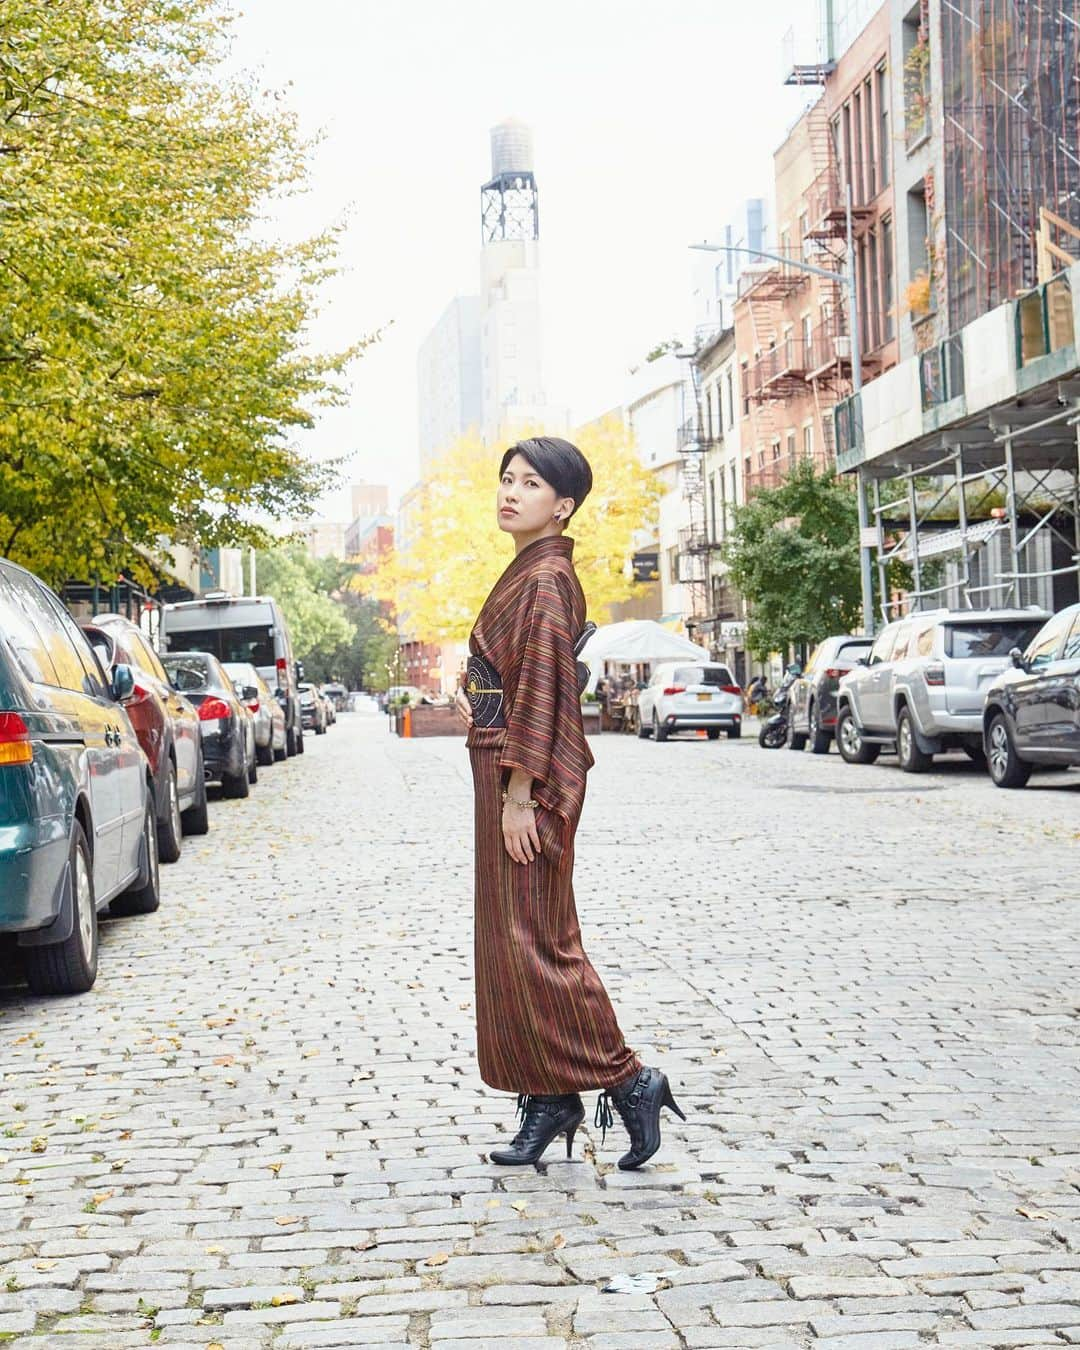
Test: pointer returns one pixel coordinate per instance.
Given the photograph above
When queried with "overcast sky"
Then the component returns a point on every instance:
(651, 122)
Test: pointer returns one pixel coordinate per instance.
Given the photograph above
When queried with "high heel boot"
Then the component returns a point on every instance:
(542, 1119)
(638, 1100)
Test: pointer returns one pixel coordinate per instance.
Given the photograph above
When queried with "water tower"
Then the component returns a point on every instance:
(509, 203)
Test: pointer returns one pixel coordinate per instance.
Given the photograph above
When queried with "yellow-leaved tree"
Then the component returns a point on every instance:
(451, 551)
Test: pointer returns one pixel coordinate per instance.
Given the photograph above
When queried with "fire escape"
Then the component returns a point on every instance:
(697, 538)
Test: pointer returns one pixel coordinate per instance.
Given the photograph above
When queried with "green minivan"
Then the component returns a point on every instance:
(77, 818)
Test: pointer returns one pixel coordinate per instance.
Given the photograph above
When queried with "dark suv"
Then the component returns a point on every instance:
(812, 698)
(1032, 710)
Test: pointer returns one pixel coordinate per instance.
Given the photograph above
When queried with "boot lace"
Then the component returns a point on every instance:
(626, 1105)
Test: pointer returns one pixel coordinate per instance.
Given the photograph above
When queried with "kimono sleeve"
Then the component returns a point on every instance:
(532, 727)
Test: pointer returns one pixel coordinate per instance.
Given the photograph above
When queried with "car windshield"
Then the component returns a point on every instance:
(989, 638)
(717, 675)
(243, 646)
(242, 673)
(851, 651)
(189, 674)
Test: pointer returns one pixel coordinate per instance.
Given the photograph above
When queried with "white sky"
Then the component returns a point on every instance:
(652, 120)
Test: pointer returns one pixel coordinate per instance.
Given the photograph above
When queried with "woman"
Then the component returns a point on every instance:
(545, 1027)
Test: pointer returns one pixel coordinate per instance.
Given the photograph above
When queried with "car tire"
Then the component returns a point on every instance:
(290, 743)
(1006, 767)
(253, 769)
(143, 896)
(70, 967)
(713, 733)
(660, 733)
(300, 742)
(913, 759)
(235, 785)
(170, 831)
(853, 749)
(282, 754)
(734, 733)
(264, 755)
(644, 730)
(796, 740)
(196, 819)
(819, 740)
(976, 754)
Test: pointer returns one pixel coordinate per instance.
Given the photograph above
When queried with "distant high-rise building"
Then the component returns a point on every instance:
(481, 367)
(369, 499)
(717, 274)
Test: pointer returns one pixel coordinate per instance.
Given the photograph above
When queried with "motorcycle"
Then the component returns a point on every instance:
(774, 730)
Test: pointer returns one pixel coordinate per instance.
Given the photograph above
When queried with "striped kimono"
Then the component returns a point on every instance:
(544, 1022)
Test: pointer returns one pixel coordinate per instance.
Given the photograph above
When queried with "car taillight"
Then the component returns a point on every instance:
(834, 672)
(214, 709)
(730, 689)
(934, 675)
(282, 668)
(139, 694)
(675, 689)
(15, 747)
(254, 706)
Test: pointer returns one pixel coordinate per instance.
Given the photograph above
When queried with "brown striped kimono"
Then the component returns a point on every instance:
(543, 1018)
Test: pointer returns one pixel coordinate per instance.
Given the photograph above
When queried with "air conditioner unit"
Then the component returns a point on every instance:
(843, 347)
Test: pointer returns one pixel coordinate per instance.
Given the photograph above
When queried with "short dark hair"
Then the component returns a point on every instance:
(558, 463)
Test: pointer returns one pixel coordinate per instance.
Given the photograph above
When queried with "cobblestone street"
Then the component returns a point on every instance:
(264, 1126)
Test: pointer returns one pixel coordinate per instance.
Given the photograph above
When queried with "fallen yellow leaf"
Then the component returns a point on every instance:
(285, 1219)
(439, 1259)
(287, 1297)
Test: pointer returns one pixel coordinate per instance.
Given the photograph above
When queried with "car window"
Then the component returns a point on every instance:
(924, 641)
(900, 645)
(1043, 647)
(991, 637)
(882, 648)
(249, 646)
(144, 655)
(93, 679)
(46, 620)
(1072, 642)
(189, 674)
(18, 626)
(851, 651)
(712, 675)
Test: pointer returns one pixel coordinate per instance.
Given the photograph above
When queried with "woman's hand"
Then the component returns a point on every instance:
(464, 707)
(519, 831)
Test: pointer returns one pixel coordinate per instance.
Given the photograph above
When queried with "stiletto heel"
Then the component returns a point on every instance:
(544, 1118)
(570, 1140)
(669, 1100)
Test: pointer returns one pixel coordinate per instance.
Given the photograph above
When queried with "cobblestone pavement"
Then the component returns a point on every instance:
(265, 1126)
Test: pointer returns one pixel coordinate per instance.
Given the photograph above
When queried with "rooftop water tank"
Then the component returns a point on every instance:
(511, 148)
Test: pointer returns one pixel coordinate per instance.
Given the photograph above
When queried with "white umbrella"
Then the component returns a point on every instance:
(640, 640)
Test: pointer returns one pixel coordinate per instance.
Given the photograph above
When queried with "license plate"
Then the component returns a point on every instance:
(704, 698)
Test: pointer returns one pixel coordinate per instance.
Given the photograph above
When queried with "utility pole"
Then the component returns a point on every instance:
(848, 275)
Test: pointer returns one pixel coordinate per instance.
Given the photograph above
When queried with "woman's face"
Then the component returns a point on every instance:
(526, 503)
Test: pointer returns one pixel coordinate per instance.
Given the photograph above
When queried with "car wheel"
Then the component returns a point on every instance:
(70, 967)
(1006, 767)
(819, 740)
(281, 754)
(300, 741)
(144, 895)
(196, 819)
(170, 830)
(734, 733)
(235, 784)
(796, 740)
(644, 730)
(290, 743)
(659, 733)
(253, 769)
(264, 755)
(853, 749)
(912, 758)
(713, 733)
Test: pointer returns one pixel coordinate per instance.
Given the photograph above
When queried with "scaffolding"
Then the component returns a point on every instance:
(1011, 114)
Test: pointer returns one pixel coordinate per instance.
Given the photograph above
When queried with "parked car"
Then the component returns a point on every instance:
(336, 691)
(269, 715)
(78, 825)
(167, 726)
(812, 698)
(250, 629)
(312, 710)
(1032, 710)
(923, 686)
(330, 705)
(686, 696)
(228, 728)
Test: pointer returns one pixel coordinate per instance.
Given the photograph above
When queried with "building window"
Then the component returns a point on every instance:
(888, 282)
(791, 451)
(744, 371)
(885, 144)
(808, 441)
(858, 189)
(875, 292)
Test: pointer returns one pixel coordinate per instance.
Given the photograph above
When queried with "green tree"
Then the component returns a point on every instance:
(793, 553)
(153, 357)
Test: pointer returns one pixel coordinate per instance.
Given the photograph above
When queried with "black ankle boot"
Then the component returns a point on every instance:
(542, 1119)
(638, 1101)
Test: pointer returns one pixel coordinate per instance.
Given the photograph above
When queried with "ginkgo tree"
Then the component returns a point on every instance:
(154, 362)
(451, 550)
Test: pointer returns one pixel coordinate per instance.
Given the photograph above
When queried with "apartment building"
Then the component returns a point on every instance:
(792, 326)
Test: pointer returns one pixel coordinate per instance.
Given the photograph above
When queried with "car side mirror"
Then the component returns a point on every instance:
(299, 670)
(123, 683)
(1016, 656)
(863, 661)
(249, 693)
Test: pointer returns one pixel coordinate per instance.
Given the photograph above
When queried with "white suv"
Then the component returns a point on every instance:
(686, 696)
